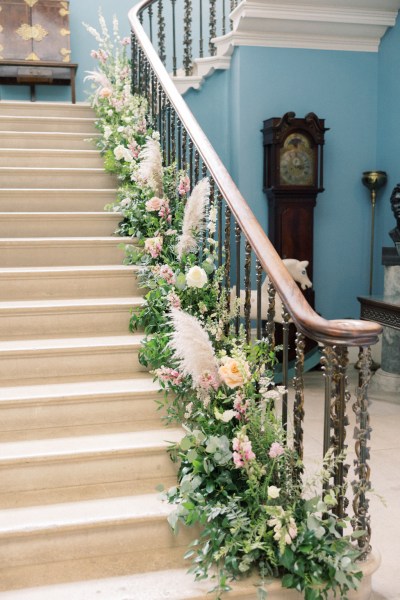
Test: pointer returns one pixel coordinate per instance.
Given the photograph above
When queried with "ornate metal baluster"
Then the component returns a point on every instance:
(227, 270)
(164, 135)
(335, 360)
(213, 28)
(259, 271)
(153, 100)
(173, 134)
(361, 520)
(187, 38)
(191, 163)
(220, 200)
(133, 64)
(179, 142)
(223, 18)
(270, 324)
(201, 41)
(168, 131)
(238, 233)
(285, 365)
(159, 104)
(247, 287)
(151, 22)
(161, 32)
(184, 150)
(196, 166)
(173, 38)
(139, 70)
(298, 407)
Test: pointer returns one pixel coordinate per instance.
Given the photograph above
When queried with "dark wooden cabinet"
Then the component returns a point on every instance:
(35, 43)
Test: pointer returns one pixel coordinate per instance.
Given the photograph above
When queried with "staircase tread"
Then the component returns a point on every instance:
(70, 343)
(70, 303)
(35, 151)
(85, 513)
(6, 191)
(172, 584)
(51, 391)
(48, 118)
(78, 214)
(45, 240)
(97, 170)
(68, 269)
(77, 447)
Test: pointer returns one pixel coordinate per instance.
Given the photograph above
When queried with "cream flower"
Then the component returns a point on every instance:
(154, 204)
(196, 277)
(273, 491)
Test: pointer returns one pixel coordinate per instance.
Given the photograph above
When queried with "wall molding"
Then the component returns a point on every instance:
(355, 25)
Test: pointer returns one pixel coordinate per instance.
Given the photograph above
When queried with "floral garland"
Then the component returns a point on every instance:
(238, 478)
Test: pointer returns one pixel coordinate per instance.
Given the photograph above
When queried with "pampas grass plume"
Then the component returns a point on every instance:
(193, 218)
(192, 346)
(150, 167)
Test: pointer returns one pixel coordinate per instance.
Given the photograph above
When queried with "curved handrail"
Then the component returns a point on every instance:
(342, 332)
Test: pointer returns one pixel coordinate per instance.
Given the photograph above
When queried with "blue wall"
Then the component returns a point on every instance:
(388, 130)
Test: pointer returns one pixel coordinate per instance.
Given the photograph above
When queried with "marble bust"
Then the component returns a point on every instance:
(395, 203)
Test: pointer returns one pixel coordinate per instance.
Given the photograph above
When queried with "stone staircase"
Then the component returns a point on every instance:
(82, 447)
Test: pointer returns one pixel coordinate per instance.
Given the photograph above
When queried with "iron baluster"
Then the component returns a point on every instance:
(270, 324)
(173, 134)
(179, 142)
(223, 18)
(361, 485)
(161, 32)
(285, 365)
(298, 407)
(151, 22)
(191, 163)
(201, 41)
(168, 131)
(173, 38)
(159, 94)
(259, 271)
(187, 38)
(213, 28)
(133, 64)
(164, 135)
(227, 270)
(247, 287)
(184, 150)
(196, 166)
(335, 360)
(238, 233)
(220, 201)
(153, 99)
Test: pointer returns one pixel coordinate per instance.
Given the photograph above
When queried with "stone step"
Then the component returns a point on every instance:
(27, 319)
(72, 178)
(174, 584)
(40, 283)
(54, 224)
(48, 139)
(46, 109)
(26, 362)
(97, 538)
(55, 200)
(42, 123)
(35, 252)
(68, 409)
(50, 158)
(138, 459)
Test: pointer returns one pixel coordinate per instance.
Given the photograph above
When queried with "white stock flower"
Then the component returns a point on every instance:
(196, 277)
(122, 153)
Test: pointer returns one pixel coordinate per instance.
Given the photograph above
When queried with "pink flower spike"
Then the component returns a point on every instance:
(276, 450)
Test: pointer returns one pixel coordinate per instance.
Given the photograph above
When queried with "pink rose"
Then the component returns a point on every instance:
(154, 204)
(276, 450)
(153, 246)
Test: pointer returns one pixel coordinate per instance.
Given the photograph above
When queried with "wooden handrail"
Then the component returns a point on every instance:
(342, 332)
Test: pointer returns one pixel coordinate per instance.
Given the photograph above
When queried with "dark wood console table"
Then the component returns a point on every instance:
(383, 310)
(14, 72)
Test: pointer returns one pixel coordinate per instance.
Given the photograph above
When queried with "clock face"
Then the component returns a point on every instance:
(296, 161)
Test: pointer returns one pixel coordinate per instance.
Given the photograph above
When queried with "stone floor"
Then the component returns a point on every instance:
(385, 475)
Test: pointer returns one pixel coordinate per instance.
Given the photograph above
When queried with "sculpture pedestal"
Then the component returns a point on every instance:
(385, 384)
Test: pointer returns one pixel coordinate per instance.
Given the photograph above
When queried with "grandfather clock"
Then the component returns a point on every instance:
(293, 177)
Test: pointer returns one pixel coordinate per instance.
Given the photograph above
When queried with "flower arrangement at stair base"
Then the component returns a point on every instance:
(238, 477)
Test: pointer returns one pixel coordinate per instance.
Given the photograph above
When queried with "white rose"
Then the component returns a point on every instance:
(107, 132)
(119, 152)
(196, 277)
(273, 491)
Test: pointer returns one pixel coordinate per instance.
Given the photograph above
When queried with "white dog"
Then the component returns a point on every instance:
(297, 269)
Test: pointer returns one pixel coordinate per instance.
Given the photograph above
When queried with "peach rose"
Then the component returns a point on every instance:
(154, 204)
(105, 92)
(234, 373)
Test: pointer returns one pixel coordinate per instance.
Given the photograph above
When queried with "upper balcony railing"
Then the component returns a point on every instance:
(245, 250)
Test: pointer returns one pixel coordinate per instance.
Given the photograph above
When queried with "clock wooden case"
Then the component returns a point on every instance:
(293, 177)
